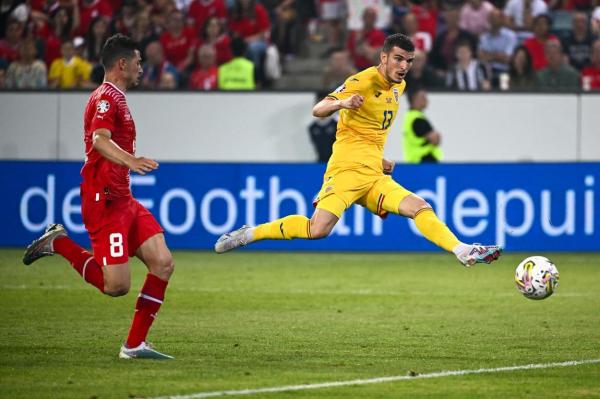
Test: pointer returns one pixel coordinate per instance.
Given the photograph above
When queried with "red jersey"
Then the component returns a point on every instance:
(201, 10)
(177, 48)
(222, 47)
(536, 51)
(591, 74)
(246, 27)
(373, 38)
(98, 8)
(107, 108)
(202, 79)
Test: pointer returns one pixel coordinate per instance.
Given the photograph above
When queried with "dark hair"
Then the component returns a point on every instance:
(529, 63)
(238, 47)
(204, 30)
(116, 47)
(93, 49)
(238, 12)
(398, 40)
(410, 94)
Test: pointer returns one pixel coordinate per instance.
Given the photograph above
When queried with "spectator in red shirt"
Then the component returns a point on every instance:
(590, 75)
(9, 46)
(178, 42)
(421, 39)
(205, 76)
(250, 21)
(202, 10)
(364, 45)
(91, 9)
(535, 44)
(212, 34)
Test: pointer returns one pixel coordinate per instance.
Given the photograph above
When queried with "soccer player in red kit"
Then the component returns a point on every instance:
(117, 224)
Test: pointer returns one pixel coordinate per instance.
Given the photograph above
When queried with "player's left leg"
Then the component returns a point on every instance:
(389, 196)
(147, 242)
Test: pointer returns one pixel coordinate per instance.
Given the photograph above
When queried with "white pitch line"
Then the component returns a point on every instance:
(378, 380)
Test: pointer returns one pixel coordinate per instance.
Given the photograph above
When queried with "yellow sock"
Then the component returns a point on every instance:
(292, 226)
(435, 230)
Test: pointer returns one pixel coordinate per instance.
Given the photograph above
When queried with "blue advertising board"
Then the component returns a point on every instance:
(530, 206)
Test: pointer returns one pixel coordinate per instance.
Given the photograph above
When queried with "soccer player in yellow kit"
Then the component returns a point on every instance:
(357, 172)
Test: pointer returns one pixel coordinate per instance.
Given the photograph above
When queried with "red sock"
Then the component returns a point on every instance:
(81, 260)
(146, 307)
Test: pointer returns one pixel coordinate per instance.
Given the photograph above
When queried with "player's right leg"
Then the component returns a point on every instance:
(293, 226)
(55, 240)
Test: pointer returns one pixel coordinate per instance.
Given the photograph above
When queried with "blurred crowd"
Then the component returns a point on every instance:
(470, 45)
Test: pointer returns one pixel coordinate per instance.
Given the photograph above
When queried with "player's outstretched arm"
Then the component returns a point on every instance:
(111, 151)
(329, 105)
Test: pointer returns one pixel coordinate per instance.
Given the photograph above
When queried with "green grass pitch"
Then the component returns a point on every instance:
(251, 320)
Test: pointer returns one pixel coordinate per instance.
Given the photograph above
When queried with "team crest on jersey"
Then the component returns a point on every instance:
(396, 95)
(103, 106)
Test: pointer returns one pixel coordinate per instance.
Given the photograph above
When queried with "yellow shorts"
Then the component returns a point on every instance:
(380, 194)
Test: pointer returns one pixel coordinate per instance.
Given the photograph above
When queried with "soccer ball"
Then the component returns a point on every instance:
(536, 277)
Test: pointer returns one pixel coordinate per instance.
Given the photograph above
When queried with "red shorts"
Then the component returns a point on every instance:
(117, 228)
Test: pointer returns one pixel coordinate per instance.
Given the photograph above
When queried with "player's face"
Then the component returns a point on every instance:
(397, 64)
(133, 69)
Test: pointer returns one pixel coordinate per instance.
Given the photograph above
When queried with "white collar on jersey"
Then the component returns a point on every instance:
(115, 87)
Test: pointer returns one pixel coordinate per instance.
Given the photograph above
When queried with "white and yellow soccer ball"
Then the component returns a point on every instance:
(536, 277)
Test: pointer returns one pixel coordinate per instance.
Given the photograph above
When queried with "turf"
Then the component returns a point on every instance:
(253, 320)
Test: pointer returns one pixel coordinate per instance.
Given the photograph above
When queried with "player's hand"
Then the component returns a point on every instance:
(388, 166)
(353, 102)
(143, 165)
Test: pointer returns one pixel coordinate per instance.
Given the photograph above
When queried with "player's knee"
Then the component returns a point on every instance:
(319, 231)
(163, 267)
(116, 289)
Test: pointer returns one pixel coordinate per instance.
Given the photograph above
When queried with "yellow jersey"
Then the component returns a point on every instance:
(361, 133)
(70, 74)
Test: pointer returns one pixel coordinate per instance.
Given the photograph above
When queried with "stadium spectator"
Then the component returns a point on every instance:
(468, 73)
(590, 74)
(63, 24)
(287, 26)
(520, 15)
(337, 70)
(443, 53)
(212, 34)
(237, 74)
(3, 68)
(536, 44)
(521, 73)
(332, 13)
(422, 39)
(95, 38)
(143, 32)
(168, 81)
(497, 45)
(578, 44)
(249, 20)
(399, 9)
(365, 44)
(91, 9)
(420, 141)
(28, 72)
(322, 132)
(69, 71)
(155, 66)
(9, 46)
(178, 42)
(426, 12)
(474, 16)
(205, 75)
(160, 13)
(125, 18)
(595, 21)
(201, 11)
(421, 74)
(558, 75)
